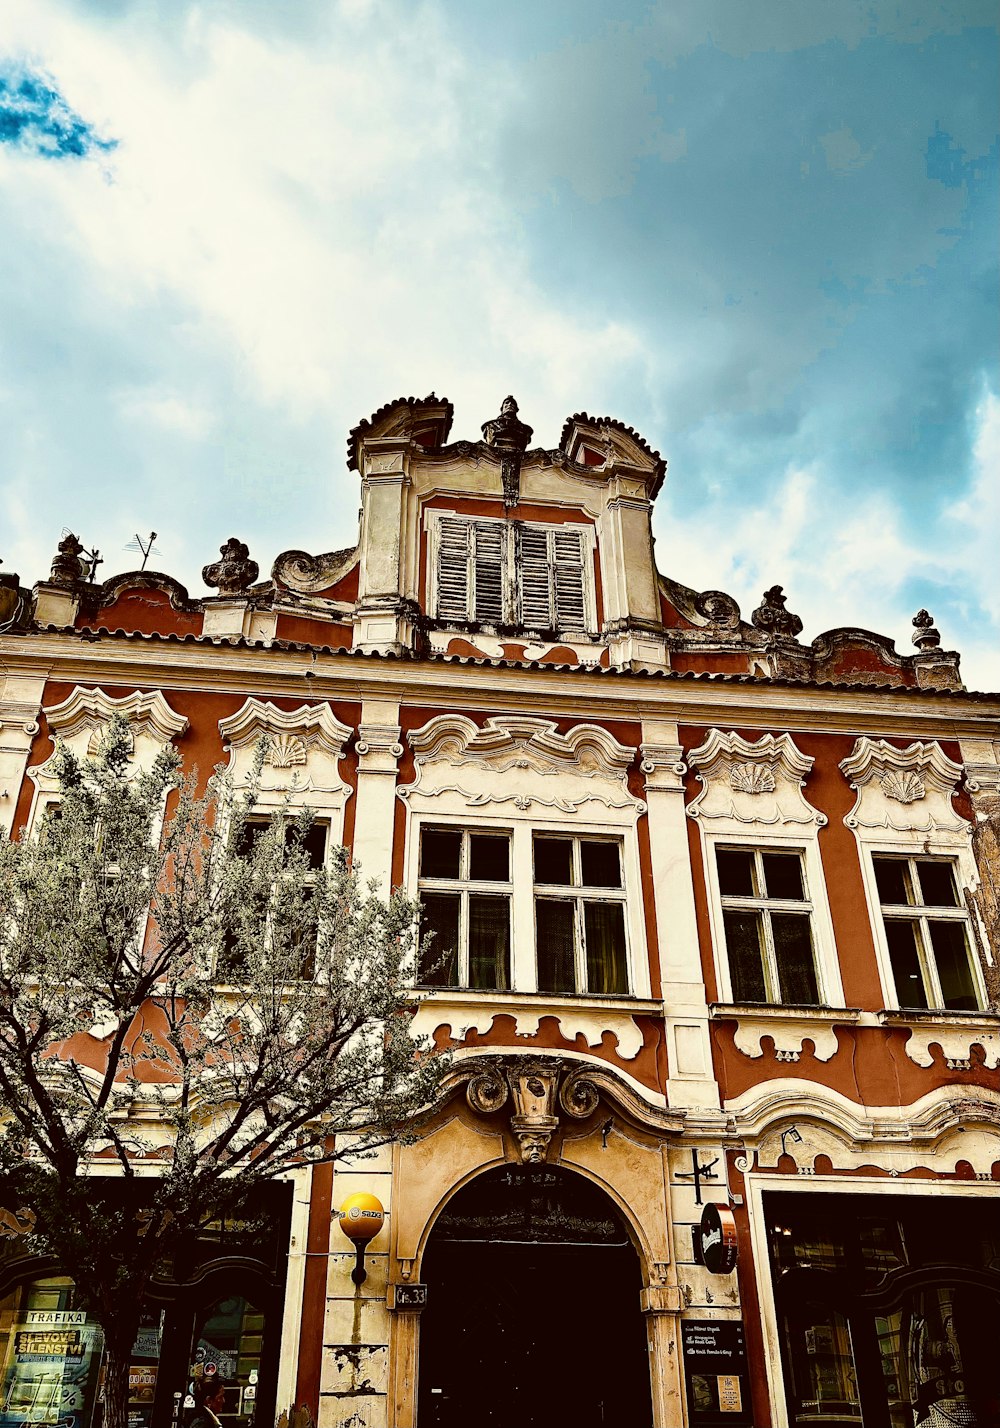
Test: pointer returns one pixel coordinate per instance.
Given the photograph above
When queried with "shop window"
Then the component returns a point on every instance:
(465, 891)
(51, 1356)
(580, 941)
(767, 919)
(512, 573)
(889, 1309)
(927, 933)
(824, 1375)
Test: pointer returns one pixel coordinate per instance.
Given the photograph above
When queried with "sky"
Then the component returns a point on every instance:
(761, 232)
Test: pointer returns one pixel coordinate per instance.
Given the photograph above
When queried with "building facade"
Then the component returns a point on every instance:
(715, 951)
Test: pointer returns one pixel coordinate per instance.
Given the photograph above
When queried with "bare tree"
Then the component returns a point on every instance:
(182, 993)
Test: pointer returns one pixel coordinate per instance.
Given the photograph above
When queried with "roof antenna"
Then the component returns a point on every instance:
(147, 547)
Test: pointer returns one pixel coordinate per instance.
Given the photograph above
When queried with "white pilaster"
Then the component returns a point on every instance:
(378, 750)
(691, 1081)
(20, 703)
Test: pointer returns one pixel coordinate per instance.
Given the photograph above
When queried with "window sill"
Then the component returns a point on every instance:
(789, 1027)
(463, 1010)
(938, 1016)
(955, 1032)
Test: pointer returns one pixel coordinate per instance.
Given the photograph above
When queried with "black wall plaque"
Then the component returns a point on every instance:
(715, 1372)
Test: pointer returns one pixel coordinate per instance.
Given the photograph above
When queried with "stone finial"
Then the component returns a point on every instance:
(235, 572)
(925, 635)
(772, 617)
(67, 567)
(510, 437)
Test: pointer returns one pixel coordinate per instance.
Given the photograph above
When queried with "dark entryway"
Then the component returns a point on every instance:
(533, 1316)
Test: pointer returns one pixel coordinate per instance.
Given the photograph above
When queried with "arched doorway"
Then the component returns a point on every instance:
(533, 1316)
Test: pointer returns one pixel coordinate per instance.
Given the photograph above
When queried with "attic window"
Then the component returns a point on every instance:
(512, 573)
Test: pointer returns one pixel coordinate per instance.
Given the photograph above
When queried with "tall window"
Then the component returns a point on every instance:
(580, 916)
(926, 929)
(511, 573)
(465, 888)
(268, 918)
(767, 916)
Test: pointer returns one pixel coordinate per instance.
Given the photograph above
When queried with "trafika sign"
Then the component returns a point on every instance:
(717, 1238)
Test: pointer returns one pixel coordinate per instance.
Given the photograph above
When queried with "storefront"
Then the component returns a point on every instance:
(216, 1307)
(887, 1308)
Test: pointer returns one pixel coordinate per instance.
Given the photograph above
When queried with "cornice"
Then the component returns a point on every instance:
(302, 672)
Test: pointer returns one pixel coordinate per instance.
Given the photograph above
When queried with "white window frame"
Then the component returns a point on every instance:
(752, 797)
(579, 895)
(963, 869)
(829, 985)
(766, 905)
(588, 545)
(523, 964)
(302, 771)
(904, 806)
(462, 887)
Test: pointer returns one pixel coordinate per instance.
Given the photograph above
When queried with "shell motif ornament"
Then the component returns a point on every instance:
(902, 786)
(751, 778)
(285, 751)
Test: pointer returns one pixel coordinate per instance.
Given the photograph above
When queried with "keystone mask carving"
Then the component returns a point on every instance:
(540, 1089)
(510, 437)
(235, 572)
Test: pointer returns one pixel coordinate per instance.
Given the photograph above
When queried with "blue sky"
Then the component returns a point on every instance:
(763, 232)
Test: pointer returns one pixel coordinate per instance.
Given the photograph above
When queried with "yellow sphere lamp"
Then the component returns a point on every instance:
(361, 1216)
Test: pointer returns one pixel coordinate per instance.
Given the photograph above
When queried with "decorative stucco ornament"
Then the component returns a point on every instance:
(235, 572)
(510, 437)
(925, 635)
(772, 617)
(67, 567)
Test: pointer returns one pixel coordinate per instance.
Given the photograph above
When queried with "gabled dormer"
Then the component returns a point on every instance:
(480, 546)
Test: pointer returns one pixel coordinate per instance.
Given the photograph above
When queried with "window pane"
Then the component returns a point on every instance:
(735, 872)
(252, 830)
(601, 865)
(553, 861)
(604, 925)
(489, 858)
(745, 946)
(783, 875)
(293, 934)
(314, 844)
(901, 937)
(890, 878)
(794, 955)
(554, 944)
(439, 852)
(951, 953)
(439, 960)
(937, 884)
(489, 943)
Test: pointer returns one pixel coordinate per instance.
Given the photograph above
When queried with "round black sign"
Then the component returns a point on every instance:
(717, 1234)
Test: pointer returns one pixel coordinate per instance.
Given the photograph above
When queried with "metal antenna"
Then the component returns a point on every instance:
(147, 547)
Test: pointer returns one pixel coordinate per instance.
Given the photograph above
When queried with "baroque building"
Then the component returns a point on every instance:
(715, 951)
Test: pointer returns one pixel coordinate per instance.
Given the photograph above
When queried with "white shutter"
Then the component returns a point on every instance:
(488, 563)
(453, 570)
(535, 578)
(567, 573)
